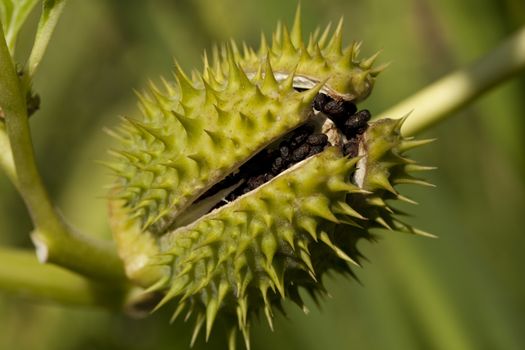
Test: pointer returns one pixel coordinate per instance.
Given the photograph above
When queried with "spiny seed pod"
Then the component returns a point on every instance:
(234, 190)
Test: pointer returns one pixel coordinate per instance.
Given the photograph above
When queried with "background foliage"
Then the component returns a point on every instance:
(463, 291)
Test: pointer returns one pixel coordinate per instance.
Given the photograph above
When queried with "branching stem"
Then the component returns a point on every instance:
(55, 241)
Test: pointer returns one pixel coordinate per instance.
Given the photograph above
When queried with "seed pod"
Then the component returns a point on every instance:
(204, 212)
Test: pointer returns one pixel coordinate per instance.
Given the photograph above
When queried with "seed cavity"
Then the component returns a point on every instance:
(333, 123)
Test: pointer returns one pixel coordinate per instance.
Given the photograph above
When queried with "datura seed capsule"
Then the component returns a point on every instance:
(248, 181)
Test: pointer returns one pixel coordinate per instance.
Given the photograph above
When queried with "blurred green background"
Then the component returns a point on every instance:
(465, 290)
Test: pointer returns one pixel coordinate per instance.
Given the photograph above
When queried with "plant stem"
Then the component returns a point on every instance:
(439, 100)
(54, 240)
(22, 274)
(6, 159)
(14, 107)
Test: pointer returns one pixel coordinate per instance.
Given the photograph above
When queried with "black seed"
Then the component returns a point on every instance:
(339, 111)
(351, 148)
(268, 177)
(335, 109)
(300, 135)
(284, 151)
(361, 130)
(356, 124)
(278, 165)
(339, 108)
(255, 182)
(320, 101)
(300, 153)
(317, 139)
(349, 107)
(315, 149)
(359, 119)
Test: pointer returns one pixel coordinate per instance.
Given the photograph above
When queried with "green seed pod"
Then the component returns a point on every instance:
(180, 230)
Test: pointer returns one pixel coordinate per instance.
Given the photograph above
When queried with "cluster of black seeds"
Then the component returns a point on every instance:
(347, 119)
(304, 143)
(300, 144)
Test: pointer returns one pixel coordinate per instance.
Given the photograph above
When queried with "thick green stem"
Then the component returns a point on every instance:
(14, 108)
(54, 240)
(439, 100)
(21, 274)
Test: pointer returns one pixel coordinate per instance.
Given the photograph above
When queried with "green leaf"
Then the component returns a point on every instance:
(13, 14)
(51, 10)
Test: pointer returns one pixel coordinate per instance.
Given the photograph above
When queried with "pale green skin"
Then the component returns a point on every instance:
(252, 253)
